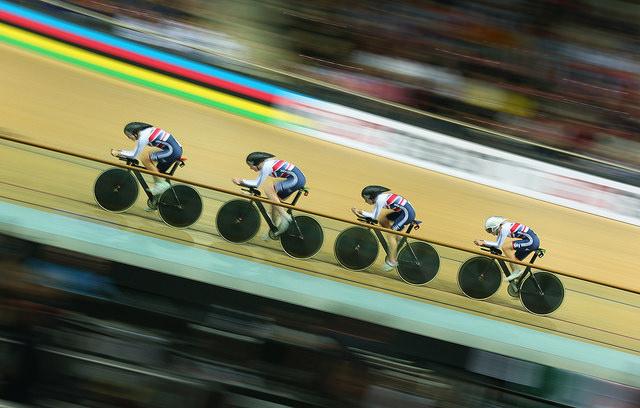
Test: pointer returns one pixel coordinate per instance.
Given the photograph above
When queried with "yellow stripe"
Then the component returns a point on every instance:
(147, 75)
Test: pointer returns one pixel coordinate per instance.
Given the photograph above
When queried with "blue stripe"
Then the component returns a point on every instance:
(146, 51)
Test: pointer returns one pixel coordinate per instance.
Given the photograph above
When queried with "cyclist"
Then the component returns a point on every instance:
(268, 166)
(392, 211)
(522, 241)
(147, 135)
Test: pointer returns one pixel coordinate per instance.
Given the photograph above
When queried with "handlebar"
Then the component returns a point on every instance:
(367, 220)
(129, 161)
(494, 251)
(253, 191)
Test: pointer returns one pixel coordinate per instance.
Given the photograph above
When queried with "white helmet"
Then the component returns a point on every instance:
(492, 223)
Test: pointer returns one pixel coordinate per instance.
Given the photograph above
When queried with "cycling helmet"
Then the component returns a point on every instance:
(492, 223)
(132, 128)
(256, 158)
(371, 192)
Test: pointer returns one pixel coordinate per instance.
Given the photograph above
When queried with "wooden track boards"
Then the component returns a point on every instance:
(69, 108)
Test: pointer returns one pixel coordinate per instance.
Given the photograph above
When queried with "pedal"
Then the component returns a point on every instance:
(513, 289)
(152, 203)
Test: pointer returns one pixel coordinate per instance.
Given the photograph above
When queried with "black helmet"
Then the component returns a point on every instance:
(133, 128)
(371, 192)
(256, 158)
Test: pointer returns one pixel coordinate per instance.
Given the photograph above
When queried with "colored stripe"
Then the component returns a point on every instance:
(154, 134)
(147, 51)
(139, 75)
(276, 167)
(140, 59)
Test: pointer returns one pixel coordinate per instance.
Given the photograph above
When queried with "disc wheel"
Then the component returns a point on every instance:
(116, 190)
(303, 238)
(545, 301)
(180, 206)
(479, 277)
(418, 263)
(238, 221)
(356, 248)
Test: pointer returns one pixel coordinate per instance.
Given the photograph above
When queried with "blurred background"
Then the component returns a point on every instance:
(77, 330)
(558, 78)
(560, 73)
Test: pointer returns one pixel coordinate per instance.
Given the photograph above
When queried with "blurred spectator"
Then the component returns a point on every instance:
(562, 73)
(23, 307)
(75, 347)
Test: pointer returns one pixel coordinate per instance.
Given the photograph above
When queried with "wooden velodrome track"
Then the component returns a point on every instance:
(59, 105)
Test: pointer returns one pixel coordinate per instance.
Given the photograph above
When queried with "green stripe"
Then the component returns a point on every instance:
(139, 81)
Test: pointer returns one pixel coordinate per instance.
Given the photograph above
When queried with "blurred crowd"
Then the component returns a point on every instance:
(556, 72)
(77, 330)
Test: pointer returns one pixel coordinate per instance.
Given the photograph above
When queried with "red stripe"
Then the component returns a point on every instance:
(154, 134)
(391, 198)
(514, 227)
(138, 58)
(278, 164)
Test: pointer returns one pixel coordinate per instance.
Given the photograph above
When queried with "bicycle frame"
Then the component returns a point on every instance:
(133, 163)
(401, 244)
(505, 268)
(265, 214)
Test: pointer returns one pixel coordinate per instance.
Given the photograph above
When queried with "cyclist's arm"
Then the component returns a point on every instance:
(502, 236)
(264, 173)
(376, 210)
(140, 144)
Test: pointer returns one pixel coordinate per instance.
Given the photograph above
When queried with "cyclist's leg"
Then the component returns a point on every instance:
(277, 213)
(169, 154)
(149, 162)
(519, 250)
(509, 251)
(283, 190)
(397, 221)
(386, 220)
(164, 159)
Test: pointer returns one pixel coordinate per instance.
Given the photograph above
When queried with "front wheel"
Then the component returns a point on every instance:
(418, 263)
(303, 238)
(356, 248)
(238, 221)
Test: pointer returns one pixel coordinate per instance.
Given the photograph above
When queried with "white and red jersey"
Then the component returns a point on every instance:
(516, 230)
(151, 136)
(281, 169)
(271, 168)
(509, 230)
(390, 201)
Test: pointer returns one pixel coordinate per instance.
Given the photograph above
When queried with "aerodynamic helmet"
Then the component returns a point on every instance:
(371, 192)
(492, 223)
(256, 158)
(132, 128)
